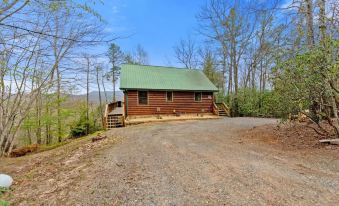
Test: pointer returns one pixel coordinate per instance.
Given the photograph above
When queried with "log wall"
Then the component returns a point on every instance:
(183, 102)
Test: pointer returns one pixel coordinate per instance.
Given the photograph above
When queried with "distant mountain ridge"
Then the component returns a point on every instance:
(94, 96)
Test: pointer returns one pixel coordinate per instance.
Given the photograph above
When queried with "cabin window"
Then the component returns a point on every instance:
(197, 96)
(169, 96)
(143, 97)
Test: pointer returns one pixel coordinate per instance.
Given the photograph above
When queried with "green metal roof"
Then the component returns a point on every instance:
(163, 78)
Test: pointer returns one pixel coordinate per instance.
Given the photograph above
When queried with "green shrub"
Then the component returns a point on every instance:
(79, 130)
(79, 127)
(252, 103)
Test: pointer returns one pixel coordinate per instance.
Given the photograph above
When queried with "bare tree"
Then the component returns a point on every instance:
(80, 34)
(185, 52)
(211, 24)
(209, 66)
(11, 7)
(98, 71)
(87, 70)
(22, 76)
(141, 56)
(33, 49)
(228, 25)
(103, 77)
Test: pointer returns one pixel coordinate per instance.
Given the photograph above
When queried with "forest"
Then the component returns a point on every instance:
(268, 59)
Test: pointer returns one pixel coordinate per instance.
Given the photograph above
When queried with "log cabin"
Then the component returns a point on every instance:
(153, 90)
(156, 90)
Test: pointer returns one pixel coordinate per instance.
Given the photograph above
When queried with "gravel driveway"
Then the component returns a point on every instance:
(204, 163)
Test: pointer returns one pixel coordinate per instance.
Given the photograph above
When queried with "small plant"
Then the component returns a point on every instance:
(3, 203)
(2, 191)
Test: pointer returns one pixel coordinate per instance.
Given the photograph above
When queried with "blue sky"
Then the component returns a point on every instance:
(157, 25)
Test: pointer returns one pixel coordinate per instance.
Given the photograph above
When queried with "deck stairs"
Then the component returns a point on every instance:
(114, 115)
(222, 109)
(114, 121)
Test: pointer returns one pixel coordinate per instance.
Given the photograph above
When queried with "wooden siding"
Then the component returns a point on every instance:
(183, 102)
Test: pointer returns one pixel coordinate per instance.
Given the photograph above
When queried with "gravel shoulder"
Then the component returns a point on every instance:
(203, 162)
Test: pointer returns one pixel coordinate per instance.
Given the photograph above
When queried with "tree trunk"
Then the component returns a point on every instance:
(48, 126)
(38, 116)
(230, 79)
(264, 76)
(103, 86)
(253, 74)
(309, 23)
(87, 96)
(59, 104)
(235, 108)
(100, 101)
(315, 107)
(224, 70)
(322, 23)
(29, 136)
(235, 70)
(113, 77)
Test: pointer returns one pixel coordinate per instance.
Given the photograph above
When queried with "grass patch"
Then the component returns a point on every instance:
(2, 201)
(35, 148)
(43, 148)
(3, 190)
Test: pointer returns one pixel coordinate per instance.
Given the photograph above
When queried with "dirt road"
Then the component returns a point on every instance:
(193, 163)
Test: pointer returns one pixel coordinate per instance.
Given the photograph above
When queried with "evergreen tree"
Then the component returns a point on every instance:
(116, 57)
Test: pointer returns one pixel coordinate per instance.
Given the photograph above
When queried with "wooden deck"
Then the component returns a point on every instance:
(117, 111)
(114, 115)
